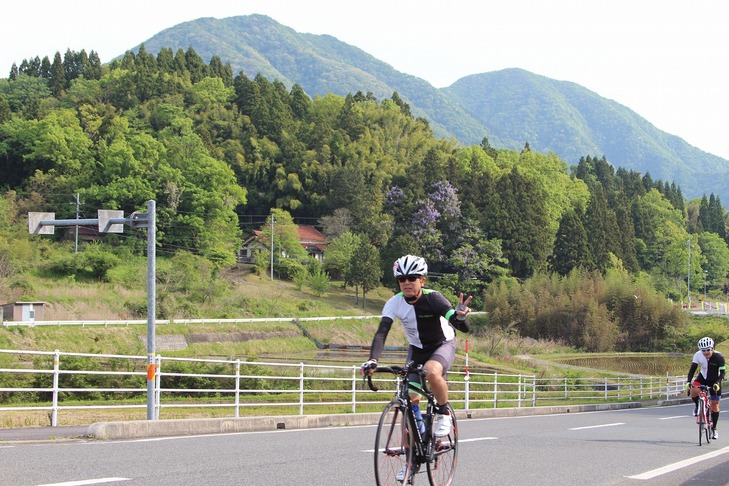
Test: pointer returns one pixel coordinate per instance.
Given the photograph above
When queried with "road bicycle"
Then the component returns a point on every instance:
(703, 417)
(401, 449)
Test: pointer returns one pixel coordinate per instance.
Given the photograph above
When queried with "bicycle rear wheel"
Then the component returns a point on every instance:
(445, 453)
(393, 446)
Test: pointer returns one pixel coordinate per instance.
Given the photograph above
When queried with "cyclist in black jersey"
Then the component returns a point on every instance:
(428, 319)
(711, 374)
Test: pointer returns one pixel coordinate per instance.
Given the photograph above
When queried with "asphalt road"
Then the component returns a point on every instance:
(652, 446)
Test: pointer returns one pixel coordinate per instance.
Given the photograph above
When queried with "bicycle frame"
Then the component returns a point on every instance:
(703, 418)
(424, 447)
(402, 395)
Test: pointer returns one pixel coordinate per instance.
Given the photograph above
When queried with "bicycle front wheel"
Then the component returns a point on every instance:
(703, 426)
(393, 446)
(445, 452)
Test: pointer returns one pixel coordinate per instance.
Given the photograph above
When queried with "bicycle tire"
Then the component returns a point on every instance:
(703, 428)
(393, 445)
(445, 455)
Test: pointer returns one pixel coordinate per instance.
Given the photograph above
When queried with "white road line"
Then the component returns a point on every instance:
(597, 426)
(678, 465)
(461, 441)
(87, 481)
(675, 417)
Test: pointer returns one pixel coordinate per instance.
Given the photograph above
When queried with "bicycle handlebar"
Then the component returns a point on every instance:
(705, 388)
(401, 371)
(396, 370)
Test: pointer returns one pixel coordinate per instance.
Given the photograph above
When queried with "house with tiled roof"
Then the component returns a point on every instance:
(313, 241)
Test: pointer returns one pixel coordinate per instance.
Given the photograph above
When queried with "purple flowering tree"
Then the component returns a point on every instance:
(444, 197)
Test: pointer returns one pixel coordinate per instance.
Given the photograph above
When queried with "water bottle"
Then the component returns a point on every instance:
(427, 419)
(419, 418)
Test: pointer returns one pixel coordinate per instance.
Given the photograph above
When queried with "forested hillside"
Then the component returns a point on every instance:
(221, 154)
(510, 107)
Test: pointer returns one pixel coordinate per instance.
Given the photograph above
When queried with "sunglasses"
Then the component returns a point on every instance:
(705, 350)
(409, 278)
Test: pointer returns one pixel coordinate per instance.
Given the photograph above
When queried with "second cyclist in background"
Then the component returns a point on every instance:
(711, 373)
(428, 320)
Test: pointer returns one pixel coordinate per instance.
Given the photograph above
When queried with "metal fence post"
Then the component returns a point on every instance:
(157, 388)
(467, 395)
(301, 389)
(496, 391)
(237, 388)
(56, 372)
(354, 389)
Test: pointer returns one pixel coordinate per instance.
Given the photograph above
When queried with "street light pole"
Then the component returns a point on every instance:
(705, 272)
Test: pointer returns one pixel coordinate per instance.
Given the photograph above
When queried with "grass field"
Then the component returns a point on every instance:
(334, 341)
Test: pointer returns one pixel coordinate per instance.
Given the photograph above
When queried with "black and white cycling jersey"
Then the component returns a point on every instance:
(427, 322)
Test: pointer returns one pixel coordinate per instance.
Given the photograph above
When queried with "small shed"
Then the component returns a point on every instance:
(22, 311)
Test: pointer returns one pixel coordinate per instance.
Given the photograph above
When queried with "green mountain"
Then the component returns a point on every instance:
(572, 121)
(320, 64)
(510, 107)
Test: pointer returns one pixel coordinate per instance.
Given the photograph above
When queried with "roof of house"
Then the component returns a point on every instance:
(309, 236)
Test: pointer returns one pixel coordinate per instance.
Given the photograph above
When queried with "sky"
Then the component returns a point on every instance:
(664, 59)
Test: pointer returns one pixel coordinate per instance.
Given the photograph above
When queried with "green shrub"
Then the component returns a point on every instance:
(290, 268)
(319, 282)
(64, 264)
(128, 276)
(98, 261)
(136, 309)
(21, 283)
(300, 279)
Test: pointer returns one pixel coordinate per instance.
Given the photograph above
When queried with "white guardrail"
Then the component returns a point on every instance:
(60, 382)
(134, 322)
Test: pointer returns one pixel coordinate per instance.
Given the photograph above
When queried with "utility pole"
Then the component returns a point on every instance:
(688, 275)
(75, 251)
(272, 217)
(110, 221)
(151, 225)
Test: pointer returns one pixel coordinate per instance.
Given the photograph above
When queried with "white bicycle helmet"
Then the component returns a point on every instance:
(706, 343)
(410, 265)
